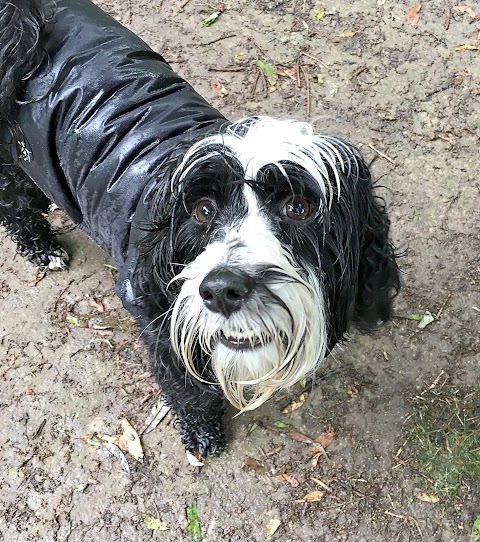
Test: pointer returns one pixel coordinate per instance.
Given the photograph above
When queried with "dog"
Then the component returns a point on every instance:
(246, 250)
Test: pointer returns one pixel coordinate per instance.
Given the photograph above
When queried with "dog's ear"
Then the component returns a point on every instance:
(378, 273)
(156, 242)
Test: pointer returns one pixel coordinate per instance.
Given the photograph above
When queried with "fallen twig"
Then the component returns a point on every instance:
(299, 81)
(407, 519)
(382, 154)
(57, 299)
(255, 83)
(226, 36)
(440, 310)
(448, 16)
(239, 69)
(357, 72)
(314, 58)
(307, 84)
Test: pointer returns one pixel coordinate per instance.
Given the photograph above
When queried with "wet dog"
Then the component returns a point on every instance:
(246, 250)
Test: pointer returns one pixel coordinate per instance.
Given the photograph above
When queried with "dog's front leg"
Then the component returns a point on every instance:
(199, 407)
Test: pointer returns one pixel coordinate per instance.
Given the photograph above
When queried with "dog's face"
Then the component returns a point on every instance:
(267, 242)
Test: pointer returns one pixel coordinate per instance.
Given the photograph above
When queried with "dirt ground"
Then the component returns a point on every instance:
(408, 95)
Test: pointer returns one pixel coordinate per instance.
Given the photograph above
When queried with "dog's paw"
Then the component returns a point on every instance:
(58, 260)
(204, 439)
(53, 259)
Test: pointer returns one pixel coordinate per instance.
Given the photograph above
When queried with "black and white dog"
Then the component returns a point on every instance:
(246, 250)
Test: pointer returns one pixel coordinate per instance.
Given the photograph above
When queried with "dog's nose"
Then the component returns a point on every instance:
(225, 291)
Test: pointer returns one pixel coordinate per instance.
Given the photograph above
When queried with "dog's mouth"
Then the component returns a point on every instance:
(241, 341)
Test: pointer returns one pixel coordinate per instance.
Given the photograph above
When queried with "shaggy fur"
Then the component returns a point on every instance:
(260, 245)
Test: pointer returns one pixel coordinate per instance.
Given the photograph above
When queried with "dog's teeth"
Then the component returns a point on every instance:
(239, 336)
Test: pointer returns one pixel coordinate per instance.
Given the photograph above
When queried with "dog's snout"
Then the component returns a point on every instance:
(226, 291)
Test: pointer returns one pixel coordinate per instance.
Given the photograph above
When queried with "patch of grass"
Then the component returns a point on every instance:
(194, 530)
(445, 440)
(475, 536)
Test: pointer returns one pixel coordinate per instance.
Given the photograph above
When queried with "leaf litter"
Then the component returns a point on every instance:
(195, 460)
(153, 523)
(272, 527)
(102, 322)
(318, 444)
(269, 72)
(413, 15)
(294, 405)
(126, 441)
(97, 305)
(254, 465)
(426, 320)
(218, 88)
(313, 496)
(159, 411)
(211, 18)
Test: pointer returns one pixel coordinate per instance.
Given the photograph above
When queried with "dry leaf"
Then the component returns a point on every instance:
(296, 435)
(182, 519)
(425, 497)
(413, 15)
(468, 11)
(287, 478)
(313, 496)
(322, 484)
(194, 460)
(218, 88)
(466, 48)
(347, 34)
(96, 305)
(159, 410)
(296, 404)
(315, 458)
(272, 527)
(38, 277)
(252, 464)
(154, 523)
(107, 448)
(128, 440)
(289, 72)
(326, 438)
(288, 431)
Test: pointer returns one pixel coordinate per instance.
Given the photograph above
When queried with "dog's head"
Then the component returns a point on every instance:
(267, 242)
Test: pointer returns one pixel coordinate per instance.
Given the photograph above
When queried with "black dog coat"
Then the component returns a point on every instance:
(100, 116)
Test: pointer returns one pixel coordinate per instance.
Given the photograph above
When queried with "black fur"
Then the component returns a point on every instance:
(348, 242)
(22, 212)
(21, 24)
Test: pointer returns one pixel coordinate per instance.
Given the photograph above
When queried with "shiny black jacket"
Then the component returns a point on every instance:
(100, 117)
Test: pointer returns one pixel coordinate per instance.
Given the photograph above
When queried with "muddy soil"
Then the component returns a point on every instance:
(410, 99)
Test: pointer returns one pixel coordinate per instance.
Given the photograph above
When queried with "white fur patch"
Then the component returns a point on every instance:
(58, 260)
(259, 141)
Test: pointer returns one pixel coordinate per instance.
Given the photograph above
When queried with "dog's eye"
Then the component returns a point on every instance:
(204, 211)
(298, 208)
